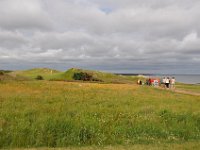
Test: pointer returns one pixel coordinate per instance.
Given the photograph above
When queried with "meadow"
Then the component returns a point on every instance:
(189, 87)
(79, 114)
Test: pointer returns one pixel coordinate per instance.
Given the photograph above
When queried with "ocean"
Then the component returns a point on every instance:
(183, 78)
(190, 79)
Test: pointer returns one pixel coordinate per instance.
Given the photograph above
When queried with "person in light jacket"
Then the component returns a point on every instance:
(172, 83)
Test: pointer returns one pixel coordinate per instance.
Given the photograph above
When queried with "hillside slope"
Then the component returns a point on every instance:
(101, 76)
(46, 73)
(55, 75)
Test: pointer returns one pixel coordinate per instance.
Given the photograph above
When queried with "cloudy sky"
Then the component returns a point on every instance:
(136, 36)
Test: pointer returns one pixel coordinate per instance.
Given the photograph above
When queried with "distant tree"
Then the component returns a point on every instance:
(39, 77)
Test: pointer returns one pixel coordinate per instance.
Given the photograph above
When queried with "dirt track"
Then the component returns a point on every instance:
(186, 92)
(181, 91)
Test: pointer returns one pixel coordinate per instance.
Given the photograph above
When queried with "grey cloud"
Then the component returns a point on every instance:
(190, 44)
(12, 39)
(106, 35)
(23, 14)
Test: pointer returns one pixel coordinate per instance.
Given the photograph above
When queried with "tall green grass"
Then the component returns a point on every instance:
(60, 114)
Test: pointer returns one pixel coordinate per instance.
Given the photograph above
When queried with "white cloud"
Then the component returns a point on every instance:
(106, 34)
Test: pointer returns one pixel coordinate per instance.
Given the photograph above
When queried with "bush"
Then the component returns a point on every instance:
(82, 76)
(1, 73)
(39, 77)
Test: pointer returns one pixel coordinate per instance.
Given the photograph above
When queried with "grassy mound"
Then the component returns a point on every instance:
(101, 76)
(46, 73)
(55, 75)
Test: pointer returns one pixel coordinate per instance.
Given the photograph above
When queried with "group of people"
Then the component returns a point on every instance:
(165, 82)
(168, 82)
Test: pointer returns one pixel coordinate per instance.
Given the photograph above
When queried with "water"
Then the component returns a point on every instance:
(189, 79)
(183, 78)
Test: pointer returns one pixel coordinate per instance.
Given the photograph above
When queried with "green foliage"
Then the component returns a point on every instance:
(5, 71)
(84, 76)
(39, 77)
(1, 73)
(79, 74)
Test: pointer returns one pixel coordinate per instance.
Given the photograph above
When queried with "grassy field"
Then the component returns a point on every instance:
(68, 114)
(170, 146)
(189, 87)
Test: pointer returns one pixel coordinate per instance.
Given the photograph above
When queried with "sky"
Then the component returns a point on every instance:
(124, 36)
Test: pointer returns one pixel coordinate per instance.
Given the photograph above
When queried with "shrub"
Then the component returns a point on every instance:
(39, 77)
(1, 73)
(82, 76)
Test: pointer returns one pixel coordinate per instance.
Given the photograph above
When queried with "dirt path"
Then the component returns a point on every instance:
(181, 91)
(186, 92)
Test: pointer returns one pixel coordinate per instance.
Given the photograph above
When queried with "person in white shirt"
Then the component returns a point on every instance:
(167, 82)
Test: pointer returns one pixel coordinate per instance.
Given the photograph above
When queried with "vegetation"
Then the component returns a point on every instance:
(31, 74)
(159, 146)
(84, 76)
(62, 114)
(39, 77)
(189, 87)
(75, 74)
(1, 73)
(5, 77)
(5, 71)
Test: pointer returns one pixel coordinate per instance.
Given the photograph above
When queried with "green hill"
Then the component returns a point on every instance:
(55, 75)
(99, 76)
(46, 73)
